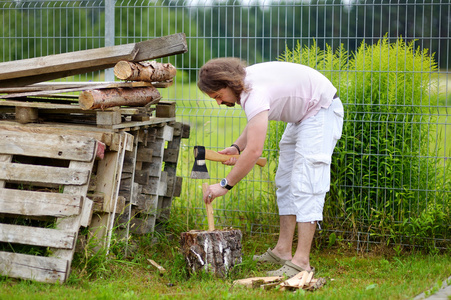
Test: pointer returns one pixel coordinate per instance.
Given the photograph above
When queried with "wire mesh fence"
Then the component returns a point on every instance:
(389, 60)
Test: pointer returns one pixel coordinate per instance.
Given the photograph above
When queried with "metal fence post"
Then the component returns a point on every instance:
(109, 33)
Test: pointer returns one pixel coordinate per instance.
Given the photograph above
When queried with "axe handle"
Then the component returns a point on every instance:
(215, 156)
(209, 207)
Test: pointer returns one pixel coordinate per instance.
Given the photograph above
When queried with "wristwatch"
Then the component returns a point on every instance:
(225, 184)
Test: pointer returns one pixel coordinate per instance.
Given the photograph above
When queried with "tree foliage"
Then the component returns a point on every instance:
(253, 32)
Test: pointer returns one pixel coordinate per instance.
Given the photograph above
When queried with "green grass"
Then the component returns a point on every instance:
(380, 274)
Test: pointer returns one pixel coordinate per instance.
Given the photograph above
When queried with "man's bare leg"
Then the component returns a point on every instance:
(284, 245)
(301, 257)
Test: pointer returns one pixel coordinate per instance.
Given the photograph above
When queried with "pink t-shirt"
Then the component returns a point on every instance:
(291, 92)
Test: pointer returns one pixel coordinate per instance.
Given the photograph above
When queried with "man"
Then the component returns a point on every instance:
(307, 101)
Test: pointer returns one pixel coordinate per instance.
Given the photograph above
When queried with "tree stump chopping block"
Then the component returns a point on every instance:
(212, 251)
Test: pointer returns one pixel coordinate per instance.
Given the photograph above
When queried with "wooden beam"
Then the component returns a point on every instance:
(33, 70)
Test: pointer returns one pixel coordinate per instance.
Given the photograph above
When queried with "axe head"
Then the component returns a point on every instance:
(199, 168)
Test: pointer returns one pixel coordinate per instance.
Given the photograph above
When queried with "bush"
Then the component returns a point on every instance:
(386, 185)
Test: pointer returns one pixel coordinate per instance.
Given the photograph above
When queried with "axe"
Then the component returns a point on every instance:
(201, 154)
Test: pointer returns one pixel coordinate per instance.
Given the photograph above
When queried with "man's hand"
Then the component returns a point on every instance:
(213, 191)
(230, 151)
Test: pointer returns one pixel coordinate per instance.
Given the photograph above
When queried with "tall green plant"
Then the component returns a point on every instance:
(385, 184)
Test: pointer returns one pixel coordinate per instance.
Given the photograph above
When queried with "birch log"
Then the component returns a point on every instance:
(215, 252)
(150, 71)
(106, 98)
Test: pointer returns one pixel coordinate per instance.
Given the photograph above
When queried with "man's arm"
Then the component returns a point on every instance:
(255, 139)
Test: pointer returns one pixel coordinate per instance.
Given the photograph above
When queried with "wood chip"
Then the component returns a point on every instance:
(160, 268)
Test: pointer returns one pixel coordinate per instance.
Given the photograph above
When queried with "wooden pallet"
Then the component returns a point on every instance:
(43, 180)
(147, 186)
(126, 191)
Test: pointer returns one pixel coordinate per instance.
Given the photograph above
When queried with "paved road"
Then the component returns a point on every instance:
(444, 293)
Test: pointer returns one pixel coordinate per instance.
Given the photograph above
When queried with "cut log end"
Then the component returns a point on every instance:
(123, 70)
(86, 100)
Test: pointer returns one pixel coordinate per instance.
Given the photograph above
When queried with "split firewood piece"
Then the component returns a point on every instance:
(309, 278)
(149, 71)
(297, 281)
(106, 98)
(160, 268)
(253, 282)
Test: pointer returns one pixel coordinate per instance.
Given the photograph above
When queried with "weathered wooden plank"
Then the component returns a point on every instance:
(73, 223)
(157, 148)
(108, 117)
(36, 236)
(28, 203)
(66, 61)
(26, 114)
(38, 105)
(81, 85)
(111, 169)
(152, 121)
(4, 159)
(86, 215)
(142, 225)
(174, 183)
(130, 192)
(43, 269)
(106, 179)
(164, 46)
(144, 154)
(42, 174)
(52, 146)
(166, 133)
(28, 71)
(103, 135)
(42, 93)
(165, 109)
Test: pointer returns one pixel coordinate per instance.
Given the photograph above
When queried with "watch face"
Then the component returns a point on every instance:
(223, 182)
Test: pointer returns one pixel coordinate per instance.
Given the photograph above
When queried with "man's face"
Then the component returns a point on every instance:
(224, 96)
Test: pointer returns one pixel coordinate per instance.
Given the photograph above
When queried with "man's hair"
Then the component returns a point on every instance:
(220, 73)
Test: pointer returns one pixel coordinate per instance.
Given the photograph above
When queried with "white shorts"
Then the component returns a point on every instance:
(303, 175)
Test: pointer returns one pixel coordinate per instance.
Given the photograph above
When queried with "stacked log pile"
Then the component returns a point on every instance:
(25, 81)
(132, 140)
